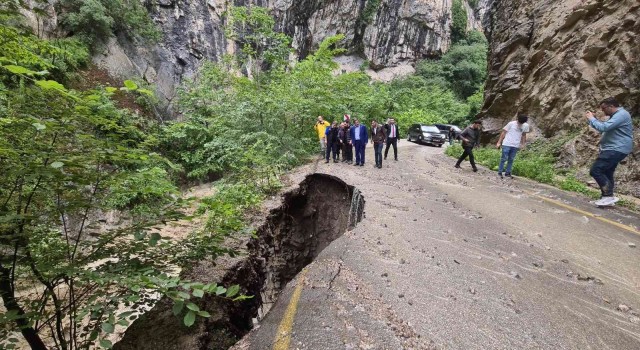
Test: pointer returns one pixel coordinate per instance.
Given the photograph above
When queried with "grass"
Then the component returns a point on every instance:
(531, 164)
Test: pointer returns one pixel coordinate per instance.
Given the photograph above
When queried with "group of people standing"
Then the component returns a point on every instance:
(616, 144)
(346, 137)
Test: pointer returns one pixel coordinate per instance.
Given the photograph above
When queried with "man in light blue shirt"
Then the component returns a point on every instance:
(615, 145)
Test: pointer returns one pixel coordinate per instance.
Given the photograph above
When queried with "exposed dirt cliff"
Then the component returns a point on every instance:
(555, 59)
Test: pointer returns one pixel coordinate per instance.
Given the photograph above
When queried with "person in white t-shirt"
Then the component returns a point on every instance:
(512, 138)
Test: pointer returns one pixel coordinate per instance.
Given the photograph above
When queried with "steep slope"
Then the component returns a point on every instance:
(556, 59)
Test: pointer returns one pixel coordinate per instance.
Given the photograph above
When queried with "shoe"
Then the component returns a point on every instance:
(457, 166)
(475, 170)
(336, 161)
(326, 162)
(362, 164)
(357, 164)
(508, 175)
(385, 157)
(606, 201)
(380, 166)
(500, 175)
(396, 159)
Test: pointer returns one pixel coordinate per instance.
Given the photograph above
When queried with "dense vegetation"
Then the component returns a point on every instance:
(458, 21)
(70, 158)
(95, 21)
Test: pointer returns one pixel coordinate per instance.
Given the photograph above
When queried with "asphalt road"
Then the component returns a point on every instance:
(448, 258)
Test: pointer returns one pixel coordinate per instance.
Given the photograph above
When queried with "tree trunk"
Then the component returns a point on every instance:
(11, 304)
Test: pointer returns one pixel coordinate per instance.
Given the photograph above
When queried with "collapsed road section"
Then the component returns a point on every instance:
(309, 218)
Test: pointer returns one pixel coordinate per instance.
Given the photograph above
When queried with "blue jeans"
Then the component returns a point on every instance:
(508, 155)
(359, 145)
(377, 148)
(603, 169)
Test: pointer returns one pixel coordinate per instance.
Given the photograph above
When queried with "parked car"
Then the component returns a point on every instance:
(428, 134)
(444, 129)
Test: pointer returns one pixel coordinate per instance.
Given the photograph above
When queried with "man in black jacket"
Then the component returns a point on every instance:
(333, 142)
(393, 136)
(378, 137)
(470, 138)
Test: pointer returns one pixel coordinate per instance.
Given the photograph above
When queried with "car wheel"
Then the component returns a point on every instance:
(409, 138)
(440, 145)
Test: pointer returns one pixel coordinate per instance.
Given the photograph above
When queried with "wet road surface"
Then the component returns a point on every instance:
(448, 258)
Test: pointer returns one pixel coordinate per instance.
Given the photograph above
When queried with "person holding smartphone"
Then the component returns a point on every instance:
(615, 145)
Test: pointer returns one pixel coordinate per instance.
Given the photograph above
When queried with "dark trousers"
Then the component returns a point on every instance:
(468, 151)
(347, 152)
(359, 145)
(333, 149)
(377, 148)
(392, 142)
(603, 169)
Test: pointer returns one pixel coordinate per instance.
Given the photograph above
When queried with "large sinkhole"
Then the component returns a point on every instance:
(310, 217)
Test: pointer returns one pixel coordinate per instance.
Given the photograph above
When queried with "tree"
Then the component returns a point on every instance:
(67, 157)
(261, 47)
(462, 69)
(458, 21)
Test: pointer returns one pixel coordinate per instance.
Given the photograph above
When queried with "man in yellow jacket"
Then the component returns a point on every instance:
(320, 128)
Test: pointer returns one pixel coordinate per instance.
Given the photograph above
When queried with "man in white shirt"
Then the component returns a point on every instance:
(512, 138)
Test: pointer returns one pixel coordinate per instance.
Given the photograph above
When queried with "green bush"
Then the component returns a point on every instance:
(533, 165)
(570, 183)
(411, 116)
(95, 21)
(142, 191)
(370, 9)
(459, 21)
(462, 69)
(228, 207)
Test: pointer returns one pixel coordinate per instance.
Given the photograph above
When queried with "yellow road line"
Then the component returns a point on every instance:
(283, 336)
(585, 213)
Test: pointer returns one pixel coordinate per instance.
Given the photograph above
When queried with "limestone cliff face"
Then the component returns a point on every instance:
(555, 59)
(387, 33)
(390, 33)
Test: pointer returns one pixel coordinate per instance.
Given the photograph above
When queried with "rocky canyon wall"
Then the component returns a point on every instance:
(555, 59)
(387, 33)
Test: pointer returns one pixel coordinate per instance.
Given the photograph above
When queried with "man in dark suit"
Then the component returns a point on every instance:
(333, 142)
(359, 138)
(393, 137)
(378, 137)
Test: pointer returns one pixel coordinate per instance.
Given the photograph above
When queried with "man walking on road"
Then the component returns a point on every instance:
(359, 138)
(393, 136)
(320, 128)
(470, 138)
(512, 138)
(378, 137)
(615, 145)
